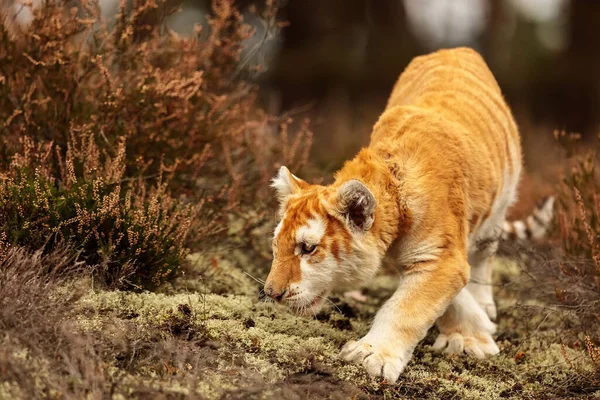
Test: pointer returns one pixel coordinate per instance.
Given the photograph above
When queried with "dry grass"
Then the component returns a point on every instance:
(30, 314)
(564, 271)
(45, 354)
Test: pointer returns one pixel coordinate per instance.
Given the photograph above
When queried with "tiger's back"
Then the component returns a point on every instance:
(456, 86)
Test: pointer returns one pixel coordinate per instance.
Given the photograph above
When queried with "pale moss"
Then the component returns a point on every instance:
(89, 324)
(269, 372)
(214, 384)
(482, 388)
(9, 391)
(263, 344)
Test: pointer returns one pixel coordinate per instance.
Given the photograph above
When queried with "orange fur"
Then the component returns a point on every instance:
(434, 183)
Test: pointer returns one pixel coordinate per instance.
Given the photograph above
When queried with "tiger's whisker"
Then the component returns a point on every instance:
(256, 279)
(333, 304)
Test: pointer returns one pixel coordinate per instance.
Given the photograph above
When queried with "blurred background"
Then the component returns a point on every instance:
(337, 60)
(343, 56)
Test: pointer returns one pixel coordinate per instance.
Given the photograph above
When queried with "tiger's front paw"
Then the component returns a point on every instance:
(377, 359)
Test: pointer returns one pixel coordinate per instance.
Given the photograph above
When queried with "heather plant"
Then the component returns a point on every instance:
(579, 203)
(578, 227)
(176, 99)
(588, 379)
(578, 223)
(130, 142)
(569, 274)
(133, 233)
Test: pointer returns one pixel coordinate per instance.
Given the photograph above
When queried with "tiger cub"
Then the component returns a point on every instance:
(431, 191)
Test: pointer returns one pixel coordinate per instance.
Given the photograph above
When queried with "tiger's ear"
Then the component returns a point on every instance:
(286, 184)
(357, 204)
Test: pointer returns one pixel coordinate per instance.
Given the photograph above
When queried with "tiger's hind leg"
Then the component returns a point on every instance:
(465, 328)
(480, 284)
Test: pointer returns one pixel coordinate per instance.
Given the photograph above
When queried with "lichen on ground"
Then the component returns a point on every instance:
(214, 338)
(207, 335)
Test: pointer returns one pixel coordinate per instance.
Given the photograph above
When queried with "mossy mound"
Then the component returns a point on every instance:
(212, 338)
(231, 345)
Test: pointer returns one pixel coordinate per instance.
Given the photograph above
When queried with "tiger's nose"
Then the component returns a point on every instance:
(276, 295)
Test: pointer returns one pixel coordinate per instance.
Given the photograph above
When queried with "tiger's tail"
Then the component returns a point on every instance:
(532, 228)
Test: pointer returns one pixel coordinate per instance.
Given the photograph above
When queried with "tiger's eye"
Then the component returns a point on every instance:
(308, 248)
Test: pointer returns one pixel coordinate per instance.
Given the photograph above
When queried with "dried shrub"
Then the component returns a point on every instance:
(176, 99)
(30, 311)
(585, 380)
(135, 232)
(578, 230)
(78, 90)
(26, 282)
(578, 214)
(565, 271)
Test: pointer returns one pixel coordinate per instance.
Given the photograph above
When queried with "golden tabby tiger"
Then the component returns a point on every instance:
(431, 190)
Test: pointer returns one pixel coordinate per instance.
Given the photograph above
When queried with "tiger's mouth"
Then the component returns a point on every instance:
(318, 300)
(311, 307)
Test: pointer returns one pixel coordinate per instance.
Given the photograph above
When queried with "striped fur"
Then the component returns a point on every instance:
(430, 191)
(534, 227)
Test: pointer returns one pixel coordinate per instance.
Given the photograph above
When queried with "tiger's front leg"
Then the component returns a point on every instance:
(422, 296)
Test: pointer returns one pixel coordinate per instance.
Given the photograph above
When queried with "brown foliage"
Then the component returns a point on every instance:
(585, 380)
(175, 99)
(567, 271)
(564, 270)
(29, 313)
(578, 230)
(578, 216)
(129, 141)
(133, 233)
(569, 268)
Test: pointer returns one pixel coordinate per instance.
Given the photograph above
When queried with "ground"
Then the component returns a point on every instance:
(213, 338)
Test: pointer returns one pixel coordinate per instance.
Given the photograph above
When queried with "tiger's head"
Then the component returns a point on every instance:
(324, 241)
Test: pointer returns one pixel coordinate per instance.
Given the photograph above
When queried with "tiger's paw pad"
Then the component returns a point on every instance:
(375, 359)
